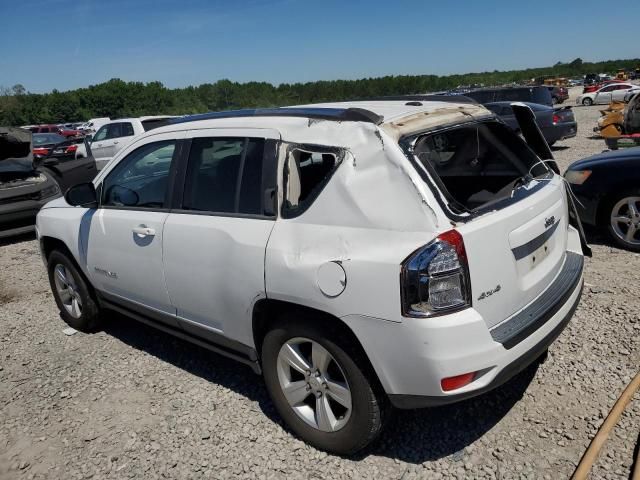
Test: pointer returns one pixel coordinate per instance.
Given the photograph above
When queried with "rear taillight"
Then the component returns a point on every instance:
(556, 119)
(40, 151)
(435, 278)
(71, 149)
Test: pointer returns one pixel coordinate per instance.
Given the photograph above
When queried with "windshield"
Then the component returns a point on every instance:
(45, 138)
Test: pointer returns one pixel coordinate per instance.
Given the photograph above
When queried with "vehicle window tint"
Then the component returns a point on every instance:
(126, 129)
(155, 123)
(609, 88)
(307, 172)
(140, 179)
(482, 96)
(45, 130)
(506, 110)
(113, 130)
(224, 175)
(101, 134)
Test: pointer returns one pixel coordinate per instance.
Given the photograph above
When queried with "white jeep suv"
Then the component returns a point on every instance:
(358, 256)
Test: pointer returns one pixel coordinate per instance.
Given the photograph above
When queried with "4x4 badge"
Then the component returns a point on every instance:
(488, 293)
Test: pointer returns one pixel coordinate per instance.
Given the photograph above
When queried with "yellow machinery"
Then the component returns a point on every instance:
(622, 75)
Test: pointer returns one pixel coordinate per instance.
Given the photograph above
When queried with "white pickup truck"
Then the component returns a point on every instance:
(115, 135)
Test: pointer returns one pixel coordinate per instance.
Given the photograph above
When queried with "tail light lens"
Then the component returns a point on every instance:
(435, 278)
(71, 148)
(556, 118)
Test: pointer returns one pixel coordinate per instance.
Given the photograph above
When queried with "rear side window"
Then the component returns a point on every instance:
(126, 129)
(141, 179)
(224, 175)
(306, 174)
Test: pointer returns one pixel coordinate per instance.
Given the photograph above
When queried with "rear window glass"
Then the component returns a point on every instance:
(479, 163)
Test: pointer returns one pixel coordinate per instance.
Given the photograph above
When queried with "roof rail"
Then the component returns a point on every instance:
(421, 98)
(332, 114)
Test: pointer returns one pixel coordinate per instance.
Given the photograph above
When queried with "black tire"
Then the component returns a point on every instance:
(587, 102)
(89, 319)
(369, 404)
(607, 212)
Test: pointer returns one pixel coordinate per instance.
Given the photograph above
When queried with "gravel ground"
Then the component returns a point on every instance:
(132, 402)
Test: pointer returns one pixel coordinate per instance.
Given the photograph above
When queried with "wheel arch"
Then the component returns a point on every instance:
(615, 192)
(49, 244)
(266, 313)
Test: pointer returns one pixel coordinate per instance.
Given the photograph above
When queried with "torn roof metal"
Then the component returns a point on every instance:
(396, 117)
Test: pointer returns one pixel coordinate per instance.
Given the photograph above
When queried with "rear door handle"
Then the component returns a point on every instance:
(115, 142)
(144, 231)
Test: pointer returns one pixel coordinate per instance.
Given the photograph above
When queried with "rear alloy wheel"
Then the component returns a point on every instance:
(314, 385)
(317, 384)
(624, 222)
(587, 102)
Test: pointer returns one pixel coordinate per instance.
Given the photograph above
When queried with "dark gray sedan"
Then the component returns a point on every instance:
(555, 123)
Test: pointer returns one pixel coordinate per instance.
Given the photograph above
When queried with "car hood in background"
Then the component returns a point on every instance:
(15, 150)
(627, 155)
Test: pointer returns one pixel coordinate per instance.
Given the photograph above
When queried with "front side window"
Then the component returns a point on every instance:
(140, 179)
(224, 175)
(101, 134)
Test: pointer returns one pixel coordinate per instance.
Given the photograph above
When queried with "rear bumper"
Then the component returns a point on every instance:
(509, 371)
(424, 351)
(561, 131)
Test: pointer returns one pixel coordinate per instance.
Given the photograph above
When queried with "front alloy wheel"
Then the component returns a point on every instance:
(72, 293)
(624, 222)
(314, 384)
(67, 291)
(587, 102)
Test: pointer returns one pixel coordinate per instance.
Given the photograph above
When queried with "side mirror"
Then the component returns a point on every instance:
(82, 195)
(88, 139)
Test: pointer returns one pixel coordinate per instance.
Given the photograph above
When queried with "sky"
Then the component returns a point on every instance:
(66, 44)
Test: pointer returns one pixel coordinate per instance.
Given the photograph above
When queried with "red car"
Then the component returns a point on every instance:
(70, 133)
(45, 129)
(597, 86)
(67, 133)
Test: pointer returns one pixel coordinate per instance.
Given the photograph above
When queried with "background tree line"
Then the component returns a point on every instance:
(117, 98)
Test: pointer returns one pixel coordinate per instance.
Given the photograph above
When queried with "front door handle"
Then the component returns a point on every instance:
(144, 231)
